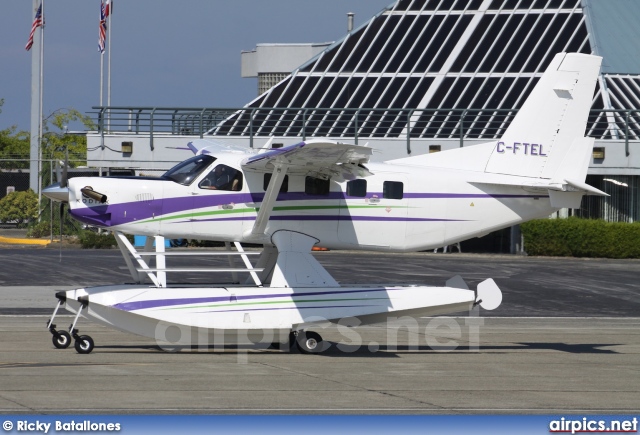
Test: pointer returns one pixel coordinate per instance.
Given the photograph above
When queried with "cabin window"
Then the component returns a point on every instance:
(316, 186)
(222, 177)
(186, 172)
(357, 188)
(393, 190)
(284, 188)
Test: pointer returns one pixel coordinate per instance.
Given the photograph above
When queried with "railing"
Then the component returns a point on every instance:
(137, 120)
(405, 124)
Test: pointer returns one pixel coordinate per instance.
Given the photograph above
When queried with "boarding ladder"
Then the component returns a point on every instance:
(158, 274)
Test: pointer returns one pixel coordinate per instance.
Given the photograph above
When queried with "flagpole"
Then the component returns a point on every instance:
(101, 77)
(36, 85)
(40, 104)
(109, 29)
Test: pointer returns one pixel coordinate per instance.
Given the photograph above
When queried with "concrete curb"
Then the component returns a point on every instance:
(16, 241)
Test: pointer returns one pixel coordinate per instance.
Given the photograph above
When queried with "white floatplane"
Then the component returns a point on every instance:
(328, 193)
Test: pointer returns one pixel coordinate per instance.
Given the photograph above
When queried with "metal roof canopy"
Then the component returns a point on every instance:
(614, 34)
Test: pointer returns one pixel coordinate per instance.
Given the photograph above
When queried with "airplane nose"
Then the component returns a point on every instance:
(56, 193)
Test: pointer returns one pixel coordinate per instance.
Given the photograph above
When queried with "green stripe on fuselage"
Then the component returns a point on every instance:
(192, 215)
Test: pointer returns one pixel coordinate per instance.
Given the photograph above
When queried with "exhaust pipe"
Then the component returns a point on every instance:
(96, 196)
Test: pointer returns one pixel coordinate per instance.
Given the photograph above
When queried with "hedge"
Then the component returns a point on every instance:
(575, 237)
(90, 239)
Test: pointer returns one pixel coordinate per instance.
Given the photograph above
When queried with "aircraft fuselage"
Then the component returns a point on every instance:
(421, 208)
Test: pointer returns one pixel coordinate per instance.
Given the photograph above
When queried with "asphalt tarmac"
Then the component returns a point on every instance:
(547, 287)
(565, 340)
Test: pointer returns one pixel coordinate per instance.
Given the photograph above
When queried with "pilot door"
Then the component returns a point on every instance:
(218, 204)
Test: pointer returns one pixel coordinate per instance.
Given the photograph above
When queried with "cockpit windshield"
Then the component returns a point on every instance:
(187, 171)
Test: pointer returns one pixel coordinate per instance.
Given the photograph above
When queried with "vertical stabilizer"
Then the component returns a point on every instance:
(546, 138)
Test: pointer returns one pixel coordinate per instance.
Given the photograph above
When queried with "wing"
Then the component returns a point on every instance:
(324, 159)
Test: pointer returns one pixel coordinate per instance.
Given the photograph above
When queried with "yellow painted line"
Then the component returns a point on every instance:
(12, 241)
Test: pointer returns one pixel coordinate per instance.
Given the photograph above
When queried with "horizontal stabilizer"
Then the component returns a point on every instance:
(584, 187)
(542, 186)
(570, 195)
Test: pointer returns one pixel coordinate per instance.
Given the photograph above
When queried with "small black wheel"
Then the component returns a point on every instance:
(84, 344)
(62, 341)
(309, 342)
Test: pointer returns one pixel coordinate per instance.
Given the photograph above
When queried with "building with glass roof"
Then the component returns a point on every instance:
(482, 56)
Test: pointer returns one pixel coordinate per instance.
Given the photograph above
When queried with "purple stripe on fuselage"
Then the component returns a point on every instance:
(114, 214)
(163, 303)
(466, 195)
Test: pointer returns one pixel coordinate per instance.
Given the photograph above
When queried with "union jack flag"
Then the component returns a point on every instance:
(102, 36)
(37, 22)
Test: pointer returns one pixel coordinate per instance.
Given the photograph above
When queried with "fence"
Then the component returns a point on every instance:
(405, 123)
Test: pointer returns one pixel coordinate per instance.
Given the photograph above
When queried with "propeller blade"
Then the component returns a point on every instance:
(61, 211)
(58, 173)
(64, 179)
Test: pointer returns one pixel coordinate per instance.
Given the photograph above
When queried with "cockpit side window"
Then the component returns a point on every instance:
(222, 177)
(187, 171)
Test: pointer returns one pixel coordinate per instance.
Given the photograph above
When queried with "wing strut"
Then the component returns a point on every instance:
(269, 200)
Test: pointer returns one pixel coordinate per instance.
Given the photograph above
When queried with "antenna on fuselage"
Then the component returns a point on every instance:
(266, 146)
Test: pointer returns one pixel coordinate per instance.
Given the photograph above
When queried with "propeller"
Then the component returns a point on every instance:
(59, 191)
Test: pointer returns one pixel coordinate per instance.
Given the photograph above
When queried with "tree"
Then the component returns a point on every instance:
(14, 145)
(55, 143)
(19, 207)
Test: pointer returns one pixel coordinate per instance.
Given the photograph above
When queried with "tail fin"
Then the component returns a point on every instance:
(545, 143)
(546, 138)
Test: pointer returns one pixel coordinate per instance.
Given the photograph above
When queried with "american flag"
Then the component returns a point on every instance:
(104, 13)
(37, 22)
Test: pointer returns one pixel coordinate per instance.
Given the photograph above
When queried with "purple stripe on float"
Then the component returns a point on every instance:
(159, 303)
(288, 308)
